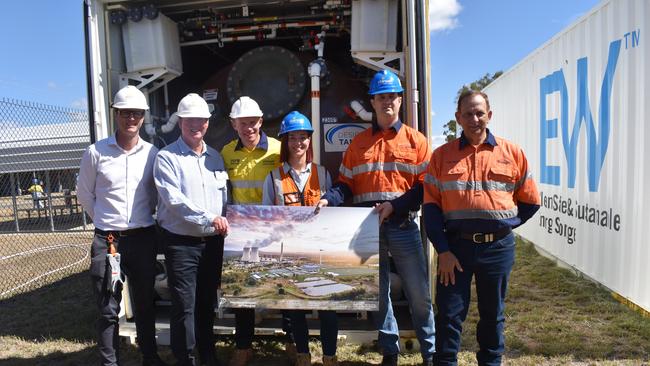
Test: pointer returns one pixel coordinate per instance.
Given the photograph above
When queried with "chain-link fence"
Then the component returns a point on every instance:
(44, 233)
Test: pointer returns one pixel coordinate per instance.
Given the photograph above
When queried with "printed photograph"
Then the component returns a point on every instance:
(279, 257)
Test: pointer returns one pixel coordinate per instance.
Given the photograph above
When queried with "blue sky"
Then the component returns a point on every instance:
(488, 36)
(43, 53)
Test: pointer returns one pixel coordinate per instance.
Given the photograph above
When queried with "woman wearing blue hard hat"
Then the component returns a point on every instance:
(300, 182)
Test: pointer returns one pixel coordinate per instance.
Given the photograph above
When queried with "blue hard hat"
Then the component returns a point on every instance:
(385, 81)
(295, 121)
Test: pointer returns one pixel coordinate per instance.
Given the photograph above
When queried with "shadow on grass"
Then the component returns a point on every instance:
(61, 310)
(61, 222)
(86, 356)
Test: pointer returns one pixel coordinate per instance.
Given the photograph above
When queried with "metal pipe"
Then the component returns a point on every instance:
(358, 108)
(320, 47)
(236, 21)
(89, 69)
(171, 123)
(314, 73)
(411, 67)
(271, 35)
(423, 78)
(97, 100)
(248, 28)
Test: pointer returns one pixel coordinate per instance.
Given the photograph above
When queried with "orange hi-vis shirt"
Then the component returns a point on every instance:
(382, 165)
(287, 192)
(478, 188)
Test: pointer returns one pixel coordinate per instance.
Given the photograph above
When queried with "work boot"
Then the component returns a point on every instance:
(330, 361)
(241, 357)
(290, 349)
(303, 359)
(389, 360)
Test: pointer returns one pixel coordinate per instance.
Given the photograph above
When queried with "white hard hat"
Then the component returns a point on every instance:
(245, 107)
(130, 97)
(192, 105)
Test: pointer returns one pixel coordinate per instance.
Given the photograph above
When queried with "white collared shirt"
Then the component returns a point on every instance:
(116, 186)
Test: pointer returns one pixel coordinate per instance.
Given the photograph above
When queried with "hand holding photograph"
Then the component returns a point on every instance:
(279, 257)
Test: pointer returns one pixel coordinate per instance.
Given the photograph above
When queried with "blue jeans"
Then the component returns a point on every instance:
(404, 243)
(490, 265)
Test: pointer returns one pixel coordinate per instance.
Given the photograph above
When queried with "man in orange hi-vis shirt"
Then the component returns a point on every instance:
(381, 164)
(477, 188)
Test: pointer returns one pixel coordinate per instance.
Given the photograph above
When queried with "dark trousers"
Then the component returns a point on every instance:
(194, 273)
(490, 264)
(329, 330)
(244, 327)
(138, 258)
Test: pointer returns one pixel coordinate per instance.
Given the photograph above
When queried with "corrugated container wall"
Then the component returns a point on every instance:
(579, 106)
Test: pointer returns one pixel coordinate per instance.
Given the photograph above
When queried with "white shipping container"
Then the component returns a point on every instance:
(578, 106)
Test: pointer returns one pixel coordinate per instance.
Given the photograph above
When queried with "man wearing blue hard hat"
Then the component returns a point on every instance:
(380, 164)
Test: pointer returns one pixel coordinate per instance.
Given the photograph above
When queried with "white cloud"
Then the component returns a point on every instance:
(81, 103)
(443, 14)
(437, 140)
(51, 85)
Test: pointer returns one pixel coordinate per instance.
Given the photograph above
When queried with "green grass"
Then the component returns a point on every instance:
(553, 318)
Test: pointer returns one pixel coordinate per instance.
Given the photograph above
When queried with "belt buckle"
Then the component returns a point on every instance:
(487, 238)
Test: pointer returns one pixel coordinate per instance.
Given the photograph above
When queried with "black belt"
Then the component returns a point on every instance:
(481, 238)
(402, 217)
(128, 232)
(189, 238)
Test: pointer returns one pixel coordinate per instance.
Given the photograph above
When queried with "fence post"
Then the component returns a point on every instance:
(12, 184)
(48, 188)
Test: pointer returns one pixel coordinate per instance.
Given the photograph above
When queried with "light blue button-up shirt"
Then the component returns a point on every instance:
(191, 189)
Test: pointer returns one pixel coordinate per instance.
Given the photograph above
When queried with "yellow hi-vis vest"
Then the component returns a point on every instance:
(287, 192)
(248, 169)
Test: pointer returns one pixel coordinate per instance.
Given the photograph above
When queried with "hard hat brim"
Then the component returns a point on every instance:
(130, 106)
(245, 115)
(375, 92)
(193, 115)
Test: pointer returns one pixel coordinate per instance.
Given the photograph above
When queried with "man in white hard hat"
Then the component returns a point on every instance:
(115, 186)
(249, 159)
(191, 180)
